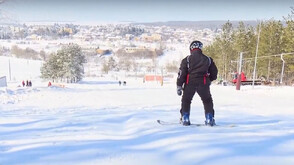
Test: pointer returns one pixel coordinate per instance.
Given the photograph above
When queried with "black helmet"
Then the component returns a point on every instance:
(196, 45)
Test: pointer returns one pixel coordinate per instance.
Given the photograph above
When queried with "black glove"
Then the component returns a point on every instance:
(179, 90)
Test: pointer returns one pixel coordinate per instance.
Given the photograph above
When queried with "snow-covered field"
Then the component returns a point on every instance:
(98, 122)
(20, 69)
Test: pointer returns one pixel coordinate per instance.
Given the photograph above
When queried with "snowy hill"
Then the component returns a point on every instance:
(99, 122)
(20, 69)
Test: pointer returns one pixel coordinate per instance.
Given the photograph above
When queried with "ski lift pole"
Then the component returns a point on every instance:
(283, 66)
(256, 54)
(238, 84)
(161, 76)
(9, 68)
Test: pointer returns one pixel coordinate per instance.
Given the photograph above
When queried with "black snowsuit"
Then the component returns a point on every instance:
(196, 73)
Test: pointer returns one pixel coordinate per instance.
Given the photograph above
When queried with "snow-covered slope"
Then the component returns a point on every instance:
(20, 69)
(99, 122)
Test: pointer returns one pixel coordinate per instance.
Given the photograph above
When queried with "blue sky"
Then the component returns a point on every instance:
(145, 10)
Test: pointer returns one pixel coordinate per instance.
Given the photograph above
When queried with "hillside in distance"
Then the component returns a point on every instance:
(197, 24)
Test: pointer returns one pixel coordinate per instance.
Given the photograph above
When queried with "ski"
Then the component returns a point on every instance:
(161, 122)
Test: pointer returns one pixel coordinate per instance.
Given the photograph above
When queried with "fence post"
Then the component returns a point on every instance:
(238, 84)
(283, 66)
(256, 53)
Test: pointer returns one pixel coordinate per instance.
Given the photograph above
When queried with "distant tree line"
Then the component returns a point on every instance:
(136, 31)
(140, 54)
(127, 60)
(28, 53)
(275, 38)
(49, 32)
(118, 64)
(66, 65)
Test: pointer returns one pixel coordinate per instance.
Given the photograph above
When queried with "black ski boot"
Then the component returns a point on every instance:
(209, 120)
(185, 119)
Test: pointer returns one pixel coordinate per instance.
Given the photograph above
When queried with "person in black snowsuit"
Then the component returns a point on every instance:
(196, 73)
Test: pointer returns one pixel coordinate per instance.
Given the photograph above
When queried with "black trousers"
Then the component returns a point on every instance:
(203, 91)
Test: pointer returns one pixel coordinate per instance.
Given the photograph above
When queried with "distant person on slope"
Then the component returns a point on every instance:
(195, 75)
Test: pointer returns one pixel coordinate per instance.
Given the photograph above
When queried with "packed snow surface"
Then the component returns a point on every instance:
(99, 122)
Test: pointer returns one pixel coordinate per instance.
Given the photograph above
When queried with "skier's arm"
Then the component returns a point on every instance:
(212, 70)
(182, 74)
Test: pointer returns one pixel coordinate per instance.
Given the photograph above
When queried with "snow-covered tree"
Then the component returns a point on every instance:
(66, 65)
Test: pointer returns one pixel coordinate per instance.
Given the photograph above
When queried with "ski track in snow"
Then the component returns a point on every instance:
(100, 122)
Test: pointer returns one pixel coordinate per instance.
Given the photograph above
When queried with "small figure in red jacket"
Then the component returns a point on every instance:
(23, 83)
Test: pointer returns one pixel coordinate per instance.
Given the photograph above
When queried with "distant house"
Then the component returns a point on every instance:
(34, 37)
(151, 38)
(115, 38)
(133, 49)
(68, 30)
(103, 51)
(129, 36)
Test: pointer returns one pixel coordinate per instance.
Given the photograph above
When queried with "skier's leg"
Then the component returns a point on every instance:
(205, 95)
(189, 91)
(188, 94)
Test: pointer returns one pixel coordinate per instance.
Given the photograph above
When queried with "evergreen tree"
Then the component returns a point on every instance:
(271, 43)
(288, 39)
(226, 51)
(275, 39)
(244, 41)
(67, 64)
(51, 68)
(112, 64)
